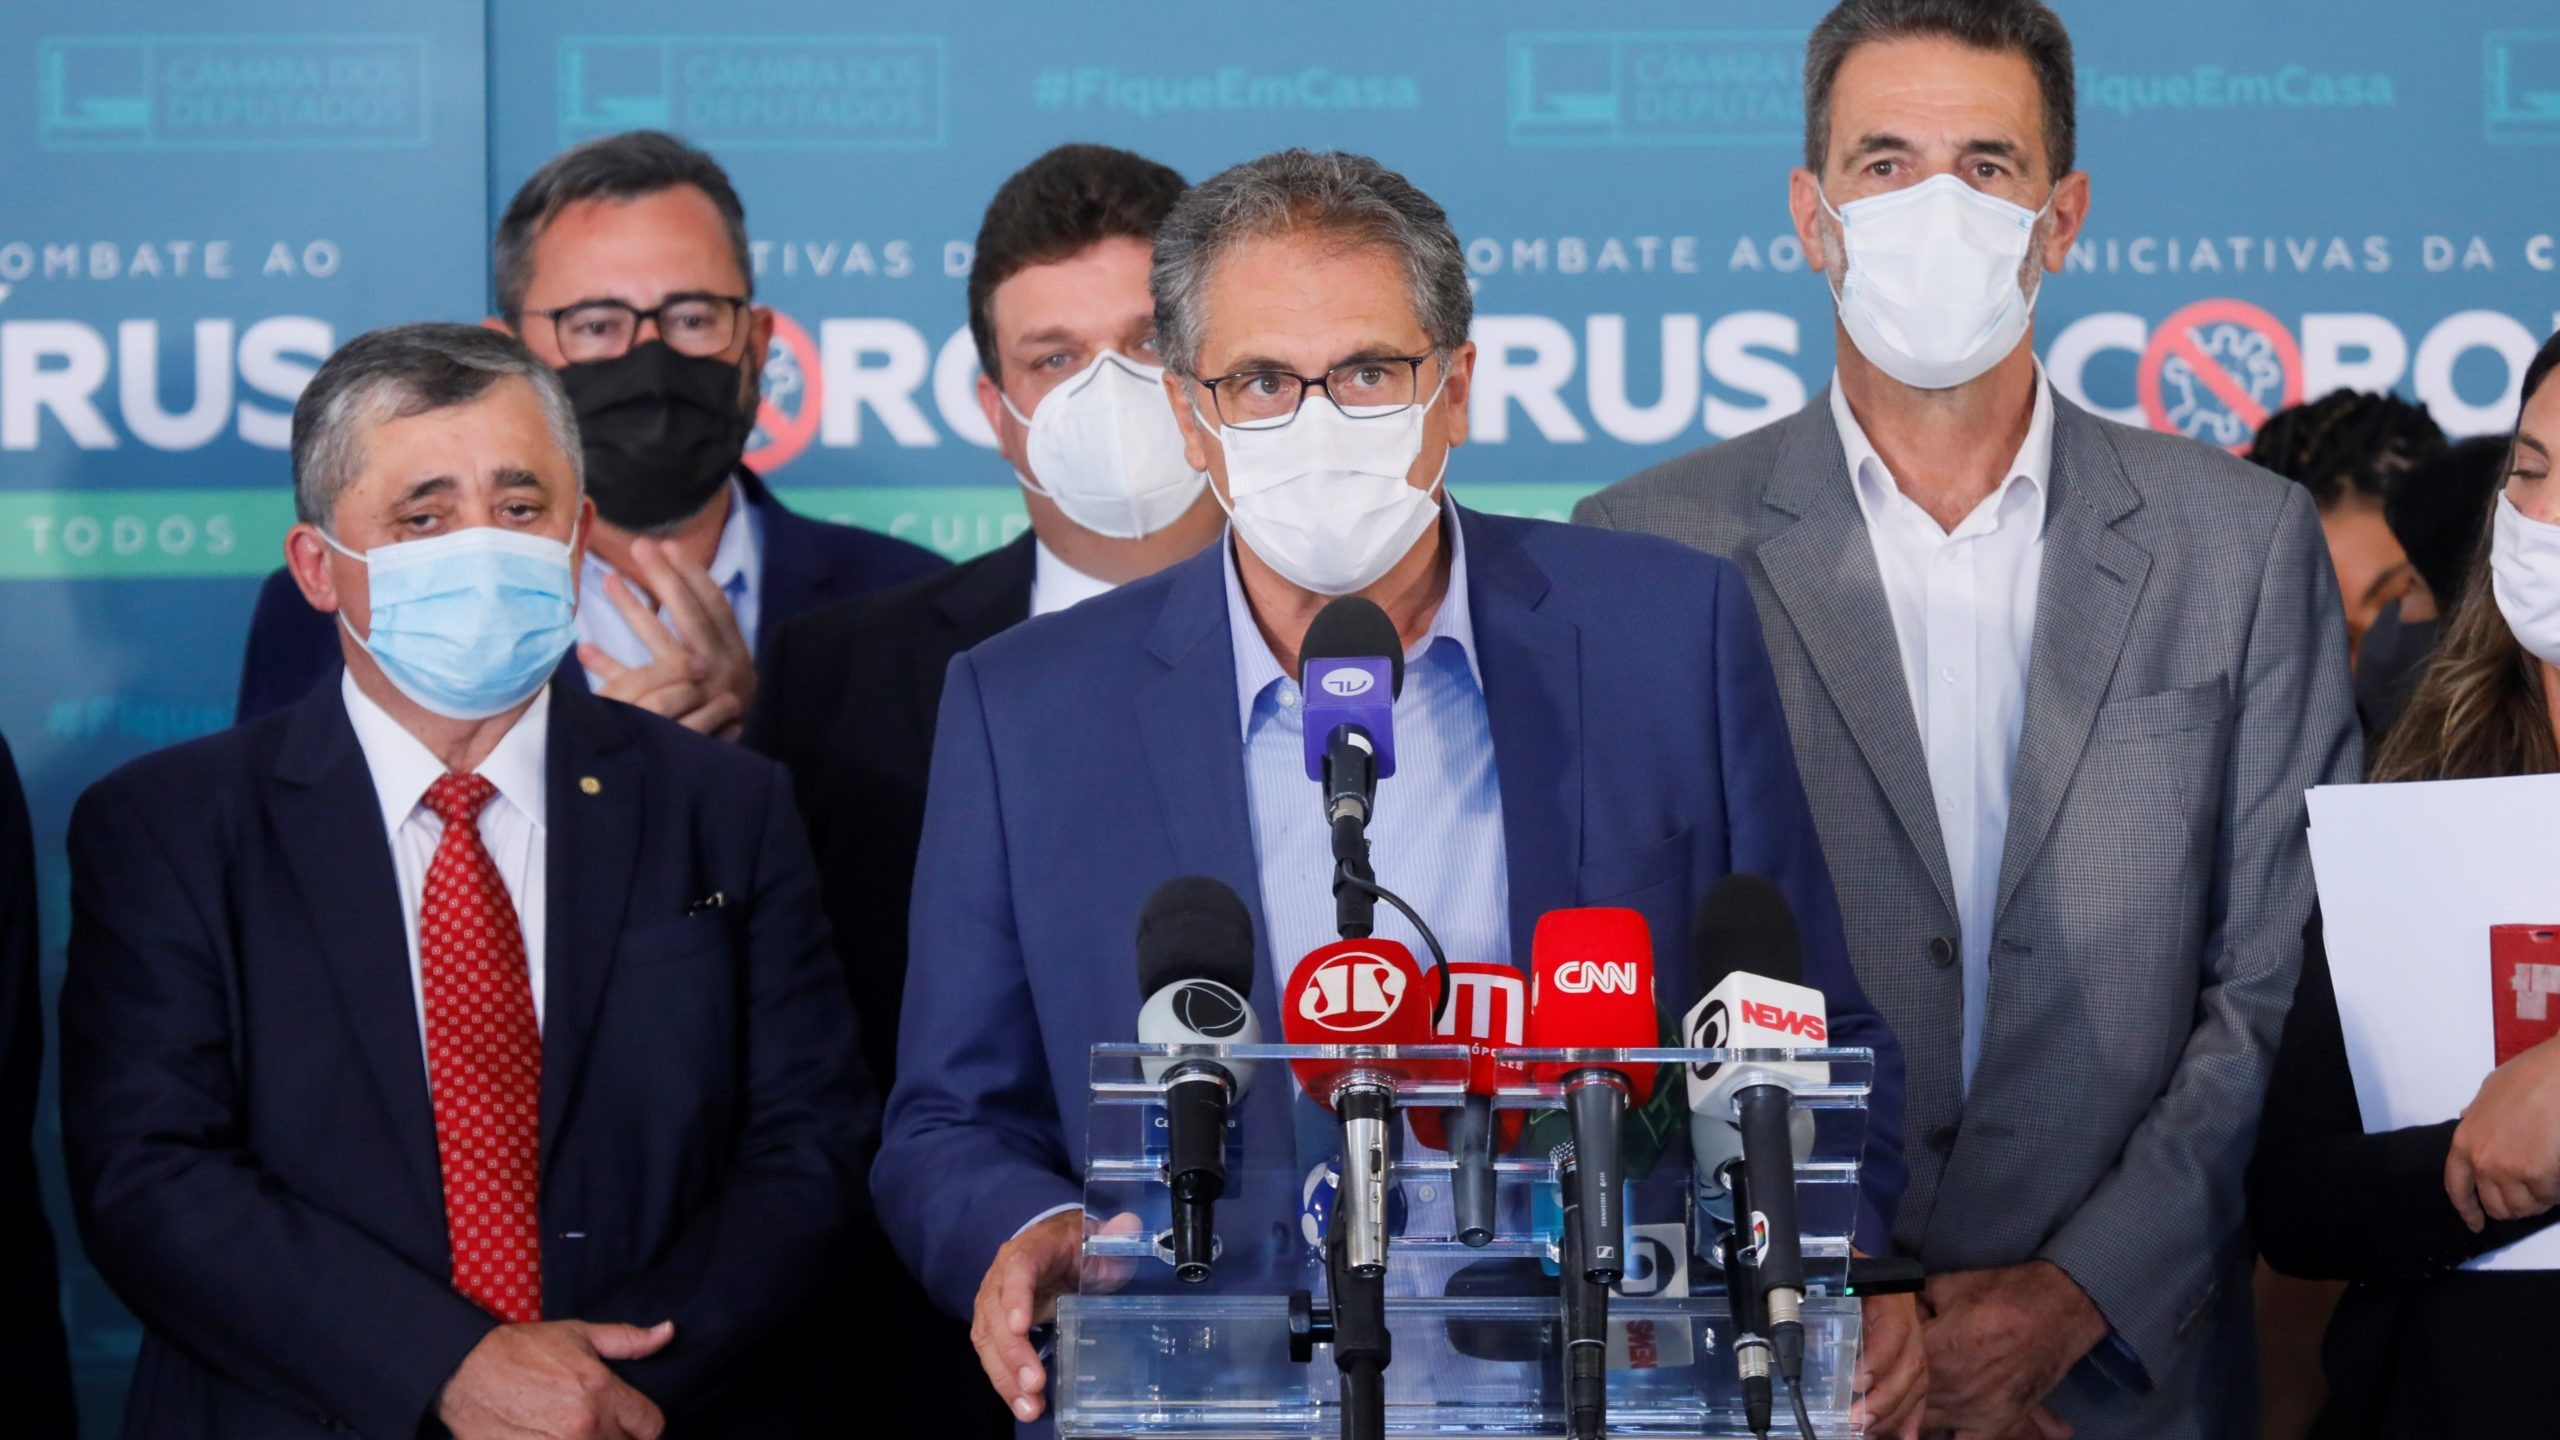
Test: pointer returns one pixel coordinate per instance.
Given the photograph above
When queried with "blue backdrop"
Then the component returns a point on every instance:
(204, 200)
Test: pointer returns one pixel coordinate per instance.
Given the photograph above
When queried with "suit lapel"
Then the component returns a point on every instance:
(325, 806)
(591, 845)
(795, 577)
(984, 598)
(2090, 583)
(1195, 747)
(1822, 568)
(1533, 704)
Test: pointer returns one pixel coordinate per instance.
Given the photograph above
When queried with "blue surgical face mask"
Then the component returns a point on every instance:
(468, 624)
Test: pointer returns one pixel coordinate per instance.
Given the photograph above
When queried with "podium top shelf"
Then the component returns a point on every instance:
(1127, 1072)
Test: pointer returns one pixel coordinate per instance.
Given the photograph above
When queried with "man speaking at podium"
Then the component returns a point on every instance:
(1587, 719)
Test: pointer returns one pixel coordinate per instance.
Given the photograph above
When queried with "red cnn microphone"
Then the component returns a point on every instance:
(1488, 1005)
(1591, 987)
(1358, 993)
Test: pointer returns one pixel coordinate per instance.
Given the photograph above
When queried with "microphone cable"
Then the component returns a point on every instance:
(1344, 875)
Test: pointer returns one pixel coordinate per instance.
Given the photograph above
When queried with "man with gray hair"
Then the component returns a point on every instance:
(623, 263)
(2059, 686)
(454, 1048)
(1551, 751)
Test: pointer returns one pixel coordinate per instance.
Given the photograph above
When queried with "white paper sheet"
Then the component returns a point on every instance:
(2411, 878)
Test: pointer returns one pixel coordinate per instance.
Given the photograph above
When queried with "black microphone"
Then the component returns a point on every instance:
(1746, 929)
(1351, 669)
(1195, 963)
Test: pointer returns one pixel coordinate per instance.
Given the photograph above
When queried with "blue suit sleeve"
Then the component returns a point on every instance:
(1773, 837)
(974, 1146)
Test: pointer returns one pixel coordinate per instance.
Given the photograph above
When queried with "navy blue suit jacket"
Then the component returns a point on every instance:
(1087, 756)
(292, 647)
(245, 1102)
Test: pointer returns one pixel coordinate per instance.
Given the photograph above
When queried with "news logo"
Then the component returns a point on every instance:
(1347, 682)
(1209, 1009)
(1584, 977)
(1785, 1021)
(1353, 992)
(1711, 1029)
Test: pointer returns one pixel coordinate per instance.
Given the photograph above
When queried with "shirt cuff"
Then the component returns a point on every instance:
(1043, 1215)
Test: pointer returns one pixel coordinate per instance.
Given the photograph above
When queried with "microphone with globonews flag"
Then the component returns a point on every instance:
(1746, 1134)
(1195, 965)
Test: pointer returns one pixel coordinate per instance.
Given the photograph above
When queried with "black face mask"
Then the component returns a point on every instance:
(2389, 665)
(662, 432)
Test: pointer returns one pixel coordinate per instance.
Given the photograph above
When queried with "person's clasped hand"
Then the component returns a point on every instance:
(702, 668)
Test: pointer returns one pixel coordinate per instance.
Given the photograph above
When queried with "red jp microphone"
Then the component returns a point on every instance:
(1591, 987)
(1488, 1004)
(1359, 993)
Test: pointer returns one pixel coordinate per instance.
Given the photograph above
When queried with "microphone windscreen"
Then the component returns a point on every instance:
(1591, 980)
(1591, 985)
(1195, 928)
(1747, 925)
(1351, 628)
(1353, 992)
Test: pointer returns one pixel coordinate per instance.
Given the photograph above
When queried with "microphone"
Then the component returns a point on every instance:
(1351, 669)
(1487, 1005)
(1746, 936)
(1195, 963)
(1359, 994)
(1591, 987)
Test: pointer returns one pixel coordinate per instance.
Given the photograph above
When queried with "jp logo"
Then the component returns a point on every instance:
(2215, 370)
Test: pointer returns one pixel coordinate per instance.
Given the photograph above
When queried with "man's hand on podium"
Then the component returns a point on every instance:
(1893, 1369)
(1021, 1290)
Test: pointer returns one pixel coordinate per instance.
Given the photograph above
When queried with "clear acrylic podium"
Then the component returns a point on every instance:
(1478, 1335)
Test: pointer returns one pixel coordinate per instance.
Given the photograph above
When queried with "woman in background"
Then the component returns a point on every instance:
(2419, 1347)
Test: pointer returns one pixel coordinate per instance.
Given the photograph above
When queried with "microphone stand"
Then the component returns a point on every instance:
(1586, 1319)
(1742, 1297)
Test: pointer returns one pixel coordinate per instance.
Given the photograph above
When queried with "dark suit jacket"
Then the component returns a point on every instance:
(2418, 1348)
(245, 1103)
(1085, 757)
(846, 702)
(292, 647)
(35, 1367)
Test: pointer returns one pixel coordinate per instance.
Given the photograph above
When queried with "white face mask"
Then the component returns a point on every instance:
(1934, 293)
(2524, 573)
(1324, 499)
(1105, 446)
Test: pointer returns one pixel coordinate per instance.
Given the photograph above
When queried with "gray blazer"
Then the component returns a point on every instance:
(2188, 681)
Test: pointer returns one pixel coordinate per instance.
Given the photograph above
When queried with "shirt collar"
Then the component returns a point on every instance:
(1055, 584)
(1257, 670)
(2030, 470)
(403, 768)
(737, 563)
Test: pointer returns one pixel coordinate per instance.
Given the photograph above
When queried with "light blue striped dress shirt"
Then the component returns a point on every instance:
(1436, 838)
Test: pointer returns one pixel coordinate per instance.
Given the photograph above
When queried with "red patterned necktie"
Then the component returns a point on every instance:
(484, 1061)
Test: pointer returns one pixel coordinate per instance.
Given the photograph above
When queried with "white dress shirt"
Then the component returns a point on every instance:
(737, 567)
(1055, 584)
(1964, 616)
(511, 824)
